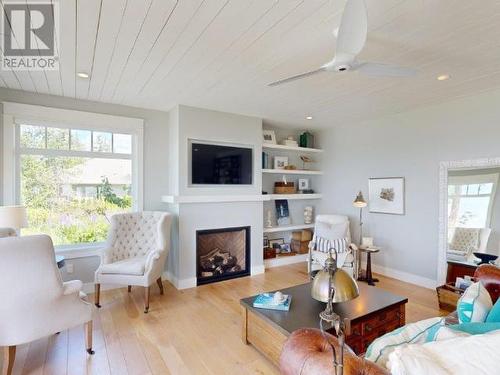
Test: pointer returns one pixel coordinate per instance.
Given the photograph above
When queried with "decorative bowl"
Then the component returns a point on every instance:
(486, 258)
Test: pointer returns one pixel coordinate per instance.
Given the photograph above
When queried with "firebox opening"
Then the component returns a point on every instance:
(222, 254)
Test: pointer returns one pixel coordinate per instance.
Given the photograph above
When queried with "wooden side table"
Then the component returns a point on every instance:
(368, 278)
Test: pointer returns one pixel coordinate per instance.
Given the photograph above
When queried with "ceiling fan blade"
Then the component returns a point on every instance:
(385, 70)
(298, 76)
(352, 30)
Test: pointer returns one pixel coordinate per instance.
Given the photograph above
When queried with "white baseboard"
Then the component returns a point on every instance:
(180, 283)
(405, 276)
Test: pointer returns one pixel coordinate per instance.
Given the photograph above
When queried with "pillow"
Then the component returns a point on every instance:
(472, 355)
(476, 328)
(465, 239)
(379, 350)
(494, 314)
(474, 305)
(331, 231)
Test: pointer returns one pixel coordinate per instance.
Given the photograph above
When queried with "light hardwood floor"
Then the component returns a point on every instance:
(194, 331)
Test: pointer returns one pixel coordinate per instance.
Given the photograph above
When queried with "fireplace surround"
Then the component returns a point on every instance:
(222, 254)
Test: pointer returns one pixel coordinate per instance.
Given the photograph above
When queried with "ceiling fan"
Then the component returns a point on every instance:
(351, 38)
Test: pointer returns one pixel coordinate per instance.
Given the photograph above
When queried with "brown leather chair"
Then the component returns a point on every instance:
(307, 353)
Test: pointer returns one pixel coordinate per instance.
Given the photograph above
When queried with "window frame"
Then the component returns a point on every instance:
(16, 114)
(473, 180)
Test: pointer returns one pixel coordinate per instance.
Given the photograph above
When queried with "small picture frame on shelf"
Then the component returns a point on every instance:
(285, 248)
(303, 184)
(276, 243)
(266, 242)
(280, 162)
(269, 137)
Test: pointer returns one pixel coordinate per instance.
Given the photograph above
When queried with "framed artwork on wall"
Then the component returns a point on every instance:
(387, 195)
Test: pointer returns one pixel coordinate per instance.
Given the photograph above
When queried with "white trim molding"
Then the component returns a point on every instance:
(444, 167)
(405, 276)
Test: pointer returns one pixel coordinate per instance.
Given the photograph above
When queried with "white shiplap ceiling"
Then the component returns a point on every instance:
(220, 54)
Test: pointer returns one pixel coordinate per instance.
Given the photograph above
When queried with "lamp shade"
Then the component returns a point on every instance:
(344, 286)
(359, 202)
(13, 217)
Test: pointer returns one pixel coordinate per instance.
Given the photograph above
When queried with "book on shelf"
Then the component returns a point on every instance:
(266, 301)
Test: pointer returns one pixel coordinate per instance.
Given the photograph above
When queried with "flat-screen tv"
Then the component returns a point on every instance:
(220, 165)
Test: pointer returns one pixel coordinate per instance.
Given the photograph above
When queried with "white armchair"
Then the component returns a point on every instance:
(136, 250)
(35, 303)
(332, 227)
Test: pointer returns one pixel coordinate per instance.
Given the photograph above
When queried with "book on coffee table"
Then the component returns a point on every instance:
(266, 301)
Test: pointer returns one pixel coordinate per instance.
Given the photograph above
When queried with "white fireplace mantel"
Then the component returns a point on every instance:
(179, 199)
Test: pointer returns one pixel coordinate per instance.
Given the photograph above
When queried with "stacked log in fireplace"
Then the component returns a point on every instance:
(218, 262)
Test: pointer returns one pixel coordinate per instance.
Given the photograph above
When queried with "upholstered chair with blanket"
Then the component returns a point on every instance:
(332, 232)
(35, 301)
(135, 254)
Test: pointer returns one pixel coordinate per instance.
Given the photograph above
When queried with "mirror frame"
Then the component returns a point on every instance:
(444, 168)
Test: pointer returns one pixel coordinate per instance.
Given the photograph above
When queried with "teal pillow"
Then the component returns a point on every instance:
(494, 314)
(476, 328)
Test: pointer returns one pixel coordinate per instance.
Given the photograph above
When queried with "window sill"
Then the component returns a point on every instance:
(80, 251)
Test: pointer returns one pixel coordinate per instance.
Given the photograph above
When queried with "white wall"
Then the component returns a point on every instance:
(411, 145)
(218, 127)
(156, 158)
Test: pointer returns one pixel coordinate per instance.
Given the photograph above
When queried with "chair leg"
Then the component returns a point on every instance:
(129, 289)
(97, 296)
(88, 337)
(9, 355)
(160, 285)
(146, 300)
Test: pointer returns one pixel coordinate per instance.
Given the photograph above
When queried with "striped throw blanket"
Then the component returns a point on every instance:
(339, 245)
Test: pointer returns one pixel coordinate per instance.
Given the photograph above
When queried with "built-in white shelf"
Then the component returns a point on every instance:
(177, 199)
(284, 260)
(291, 171)
(290, 148)
(288, 228)
(270, 197)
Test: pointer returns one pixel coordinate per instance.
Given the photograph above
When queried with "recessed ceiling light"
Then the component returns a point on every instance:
(309, 117)
(82, 75)
(443, 77)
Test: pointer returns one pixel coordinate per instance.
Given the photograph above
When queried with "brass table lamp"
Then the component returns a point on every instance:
(332, 285)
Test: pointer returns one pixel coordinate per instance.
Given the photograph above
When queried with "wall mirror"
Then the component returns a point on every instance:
(469, 217)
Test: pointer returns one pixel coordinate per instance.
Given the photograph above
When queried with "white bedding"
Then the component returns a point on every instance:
(473, 355)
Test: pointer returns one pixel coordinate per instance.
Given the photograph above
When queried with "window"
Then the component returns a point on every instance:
(470, 200)
(73, 180)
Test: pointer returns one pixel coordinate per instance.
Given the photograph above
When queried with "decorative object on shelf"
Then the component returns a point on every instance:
(306, 139)
(285, 248)
(269, 253)
(268, 136)
(303, 184)
(300, 241)
(289, 141)
(269, 218)
(387, 195)
(308, 215)
(14, 217)
(265, 160)
(360, 203)
(284, 187)
(282, 212)
(306, 159)
(276, 243)
(280, 162)
(333, 285)
(265, 242)
(290, 167)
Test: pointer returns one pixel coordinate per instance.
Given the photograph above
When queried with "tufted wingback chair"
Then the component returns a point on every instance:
(35, 301)
(136, 250)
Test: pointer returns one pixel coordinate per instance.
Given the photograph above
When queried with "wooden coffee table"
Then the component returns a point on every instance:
(374, 313)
